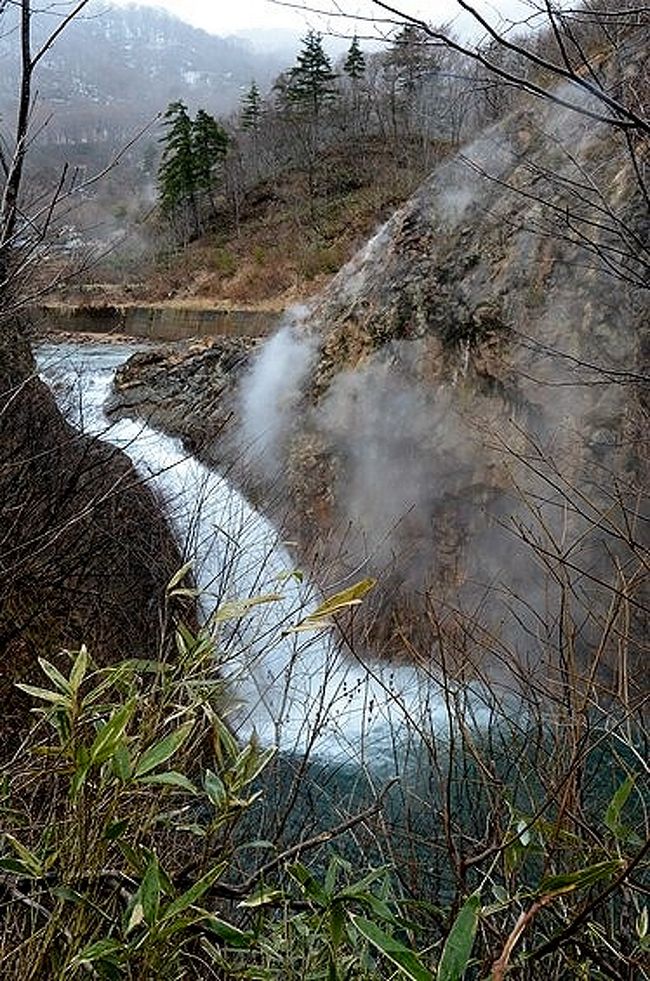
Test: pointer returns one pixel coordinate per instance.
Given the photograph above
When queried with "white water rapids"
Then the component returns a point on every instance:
(297, 691)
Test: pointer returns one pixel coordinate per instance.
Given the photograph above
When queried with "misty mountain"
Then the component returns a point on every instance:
(115, 68)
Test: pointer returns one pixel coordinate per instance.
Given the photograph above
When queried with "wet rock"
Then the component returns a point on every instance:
(184, 389)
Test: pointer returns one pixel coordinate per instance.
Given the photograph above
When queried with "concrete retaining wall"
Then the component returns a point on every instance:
(156, 323)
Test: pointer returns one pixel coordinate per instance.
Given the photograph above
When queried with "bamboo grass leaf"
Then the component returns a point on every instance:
(458, 946)
(392, 949)
(194, 893)
(110, 735)
(55, 676)
(163, 750)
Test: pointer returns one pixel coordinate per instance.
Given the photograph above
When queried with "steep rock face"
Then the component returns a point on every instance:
(462, 411)
(85, 552)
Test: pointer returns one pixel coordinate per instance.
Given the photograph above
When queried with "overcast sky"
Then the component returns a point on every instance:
(231, 16)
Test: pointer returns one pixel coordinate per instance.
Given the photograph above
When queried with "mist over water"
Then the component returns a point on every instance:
(298, 691)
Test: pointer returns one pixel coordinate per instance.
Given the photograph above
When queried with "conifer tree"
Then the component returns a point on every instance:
(411, 56)
(251, 109)
(177, 173)
(311, 81)
(193, 149)
(209, 147)
(355, 61)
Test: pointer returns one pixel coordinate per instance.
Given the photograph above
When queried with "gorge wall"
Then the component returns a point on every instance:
(85, 551)
(463, 412)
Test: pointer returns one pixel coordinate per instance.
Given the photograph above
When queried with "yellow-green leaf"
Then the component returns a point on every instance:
(55, 676)
(556, 885)
(235, 609)
(194, 893)
(110, 734)
(320, 617)
(161, 751)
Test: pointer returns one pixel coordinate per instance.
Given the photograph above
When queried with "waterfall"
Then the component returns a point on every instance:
(297, 691)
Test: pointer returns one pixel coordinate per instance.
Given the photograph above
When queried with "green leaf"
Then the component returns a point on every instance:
(98, 951)
(115, 830)
(613, 813)
(556, 885)
(69, 895)
(256, 763)
(228, 933)
(31, 861)
(44, 694)
(122, 765)
(336, 863)
(171, 779)
(458, 946)
(194, 893)
(78, 779)
(215, 789)
(394, 950)
(161, 751)
(261, 897)
(79, 668)
(149, 893)
(111, 733)
(16, 867)
(226, 747)
(337, 922)
(310, 886)
(136, 915)
(55, 676)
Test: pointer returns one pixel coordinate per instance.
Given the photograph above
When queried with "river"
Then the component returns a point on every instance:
(297, 691)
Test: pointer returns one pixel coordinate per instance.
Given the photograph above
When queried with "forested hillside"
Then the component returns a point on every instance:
(315, 160)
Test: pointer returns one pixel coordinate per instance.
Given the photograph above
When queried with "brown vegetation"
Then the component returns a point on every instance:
(84, 548)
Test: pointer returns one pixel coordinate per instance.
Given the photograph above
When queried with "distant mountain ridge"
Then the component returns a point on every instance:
(115, 67)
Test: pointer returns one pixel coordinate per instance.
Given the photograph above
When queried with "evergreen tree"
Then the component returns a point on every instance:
(209, 148)
(311, 81)
(177, 172)
(355, 61)
(193, 149)
(411, 57)
(251, 109)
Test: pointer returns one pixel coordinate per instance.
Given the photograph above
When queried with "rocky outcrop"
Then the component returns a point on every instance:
(462, 411)
(85, 552)
(186, 390)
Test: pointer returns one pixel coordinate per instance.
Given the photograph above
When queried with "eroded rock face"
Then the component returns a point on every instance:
(85, 552)
(461, 412)
(185, 389)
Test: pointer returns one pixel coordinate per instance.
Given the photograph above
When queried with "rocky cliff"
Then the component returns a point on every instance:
(85, 552)
(463, 412)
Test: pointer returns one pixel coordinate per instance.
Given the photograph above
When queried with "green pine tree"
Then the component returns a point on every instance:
(251, 109)
(177, 183)
(355, 61)
(209, 147)
(193, 150)
(310, 84)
